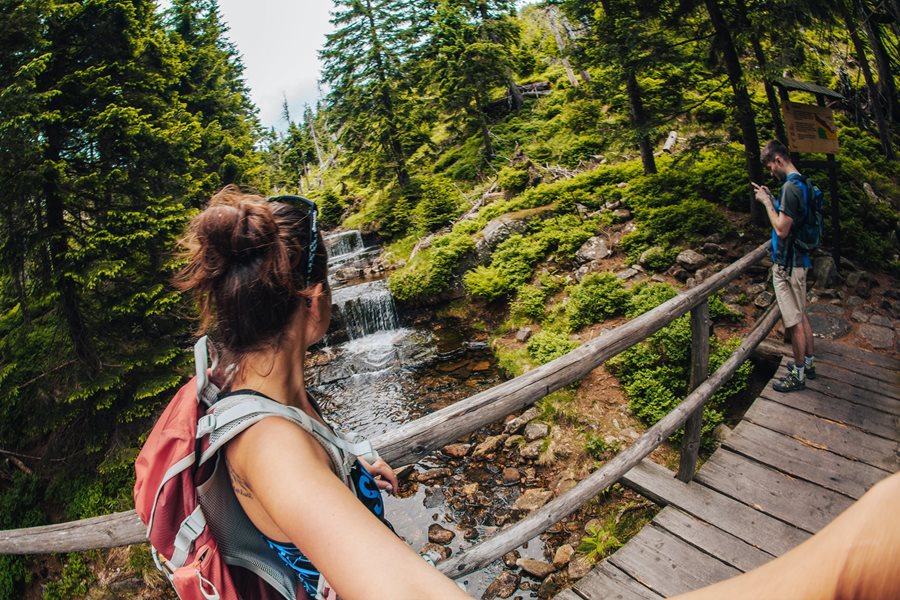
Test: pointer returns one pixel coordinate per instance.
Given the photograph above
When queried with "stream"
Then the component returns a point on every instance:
(374, 372)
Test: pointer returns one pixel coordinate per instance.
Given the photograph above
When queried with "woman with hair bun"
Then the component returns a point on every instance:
(258, 270)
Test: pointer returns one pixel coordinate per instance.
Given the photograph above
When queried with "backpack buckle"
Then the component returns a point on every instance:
(206, 425)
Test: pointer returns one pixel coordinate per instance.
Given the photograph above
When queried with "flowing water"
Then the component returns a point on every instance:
(375, 372)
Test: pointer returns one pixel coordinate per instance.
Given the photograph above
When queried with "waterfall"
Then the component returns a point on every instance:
(366, 308)
(343, 243)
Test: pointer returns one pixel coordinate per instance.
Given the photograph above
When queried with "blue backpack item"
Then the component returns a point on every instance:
(807, 232)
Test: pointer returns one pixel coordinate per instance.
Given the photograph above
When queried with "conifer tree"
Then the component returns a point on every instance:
(363, 62)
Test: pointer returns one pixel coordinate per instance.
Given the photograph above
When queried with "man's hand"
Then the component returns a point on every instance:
(762, 193)
(384, 475)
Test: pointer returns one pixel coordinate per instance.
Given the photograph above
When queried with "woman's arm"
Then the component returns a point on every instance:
(290, 479)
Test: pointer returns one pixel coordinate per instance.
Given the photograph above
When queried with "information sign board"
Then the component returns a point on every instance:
(810, 128)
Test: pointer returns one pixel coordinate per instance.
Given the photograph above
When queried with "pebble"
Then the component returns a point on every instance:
(432, 474)
(519, 422)
(563, 555)
(536, 431)
(535, 568)
(511, 475)
(510, 558)
(532, 451)
(456, 450)
(489, 445)
(439, 535)
(436, 551)
(532, 499)
(503, 586)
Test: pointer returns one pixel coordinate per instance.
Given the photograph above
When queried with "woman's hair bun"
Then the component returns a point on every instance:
(238, 233)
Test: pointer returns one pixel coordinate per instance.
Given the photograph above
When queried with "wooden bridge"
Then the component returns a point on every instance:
(793, 464)
(789, 468)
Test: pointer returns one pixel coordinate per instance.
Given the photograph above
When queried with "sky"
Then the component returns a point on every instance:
(279, 42)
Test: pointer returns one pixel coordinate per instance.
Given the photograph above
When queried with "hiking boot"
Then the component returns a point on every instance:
(790, 382)
(808, 372)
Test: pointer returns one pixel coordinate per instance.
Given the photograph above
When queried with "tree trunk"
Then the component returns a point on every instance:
(884, 131)
(760, 55)
(554, 27)
(515, 94)
(882, 63)
(743, 106)
(639, 122)
(58, 240)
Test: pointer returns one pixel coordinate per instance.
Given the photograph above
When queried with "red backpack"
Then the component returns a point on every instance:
(200, 538)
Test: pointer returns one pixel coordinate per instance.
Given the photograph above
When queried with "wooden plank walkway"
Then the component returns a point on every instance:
(793, 464)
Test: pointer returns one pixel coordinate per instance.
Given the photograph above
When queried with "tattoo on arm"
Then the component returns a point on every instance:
(239, 485)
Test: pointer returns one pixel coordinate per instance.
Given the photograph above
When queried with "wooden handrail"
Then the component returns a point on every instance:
(410, 442)
(540, 520)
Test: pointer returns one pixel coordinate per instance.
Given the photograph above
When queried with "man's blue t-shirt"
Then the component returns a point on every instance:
(792, 203)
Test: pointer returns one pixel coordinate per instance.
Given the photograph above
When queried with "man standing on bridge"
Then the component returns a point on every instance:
(791, 265)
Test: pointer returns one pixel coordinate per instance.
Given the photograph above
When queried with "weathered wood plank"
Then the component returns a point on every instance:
(862, 417)
(690, 442)
(668, 564)
(773, 350)
(849, 477)
(757, 529)
(865, 356)
(805, 505)
(836, 381)
(712, 540)
(836, 437)
(107, 531)
(608, 582)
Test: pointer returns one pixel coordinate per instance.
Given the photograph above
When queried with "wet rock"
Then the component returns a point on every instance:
(503, 586)
(470, 489)
(563, 555)
(513, 441)
(552, 585)
(523, 334)
(404, 472)
(456, 450)
(824, 272)
(511, 475)
(532, 499)
(593, 249)
(470, 534)
(488, 445)
(876, 335)
(691, 260)
(509, 559)
(439, 535)
(532, 451)
(536, 431)
(535, 568)
(764, 300)
(578, 567)
(432, 474)
(519, 422)
(437, 552)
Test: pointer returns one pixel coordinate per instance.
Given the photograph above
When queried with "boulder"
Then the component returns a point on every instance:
(532, 451)
(621, 214)
(523, 334)
(513, 440)
(593, 249)
(439, 535)
(824, 272)
(495, 232)
(876, 335)
(649, 253)
(627, 274)
(691, 260)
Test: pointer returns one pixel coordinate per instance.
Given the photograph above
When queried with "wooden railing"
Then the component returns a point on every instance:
(412, 441)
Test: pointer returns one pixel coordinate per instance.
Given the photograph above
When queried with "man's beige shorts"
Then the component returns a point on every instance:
(790, 292)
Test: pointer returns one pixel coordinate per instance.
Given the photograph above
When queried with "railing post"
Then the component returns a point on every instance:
(690, 445)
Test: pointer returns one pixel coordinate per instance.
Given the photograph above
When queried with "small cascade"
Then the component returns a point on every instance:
(344, 242)
(365, 309)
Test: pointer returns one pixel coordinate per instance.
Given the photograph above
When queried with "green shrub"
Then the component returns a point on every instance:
(597, 446)
(530, 303)
(659, 259)
(547, 345)
(487, 282)
(598, 297)
(512, 179)
(74, 581)
(439, 204)
(19, 507)
(647, 296)
(431, 271)
(600, 540)
(331, 209)
(671, 224)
